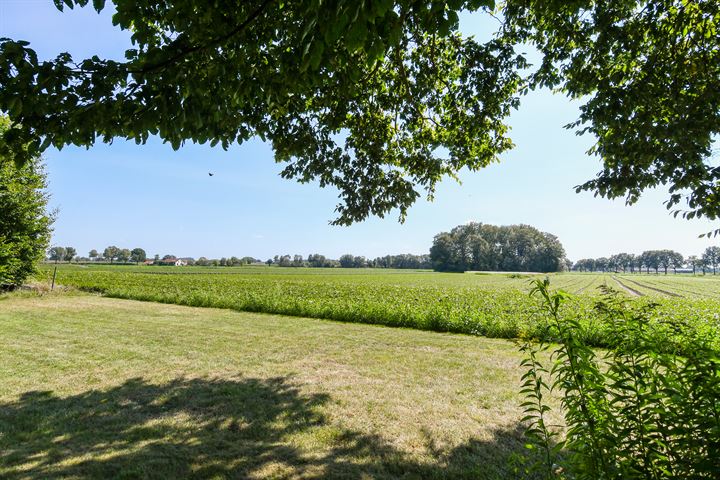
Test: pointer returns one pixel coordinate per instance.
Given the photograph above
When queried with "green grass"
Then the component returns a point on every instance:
(92, 387)
(496, 306)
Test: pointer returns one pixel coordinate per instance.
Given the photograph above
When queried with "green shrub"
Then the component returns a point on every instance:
(24, 223)
(637, 410)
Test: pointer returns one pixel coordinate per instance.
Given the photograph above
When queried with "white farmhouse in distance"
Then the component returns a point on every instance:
(178, 262)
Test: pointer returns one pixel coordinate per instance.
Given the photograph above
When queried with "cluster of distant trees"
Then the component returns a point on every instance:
(477, 246)
(402, 261)
(406, 260)
(313, 260)
(655, 260)
(62, 254)
(111, 254)
(222, 262)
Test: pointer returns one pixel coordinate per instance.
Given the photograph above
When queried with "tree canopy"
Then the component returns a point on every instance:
(648, 73)
(383, 99)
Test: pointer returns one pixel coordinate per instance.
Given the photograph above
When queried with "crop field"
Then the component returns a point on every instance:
(491, 305)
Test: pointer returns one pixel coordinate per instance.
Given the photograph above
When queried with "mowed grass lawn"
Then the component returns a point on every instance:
(93, 387)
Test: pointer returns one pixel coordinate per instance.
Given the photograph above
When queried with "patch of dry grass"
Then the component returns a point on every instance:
(97, 387)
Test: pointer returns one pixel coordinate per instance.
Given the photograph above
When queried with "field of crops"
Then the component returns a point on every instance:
(492, 305)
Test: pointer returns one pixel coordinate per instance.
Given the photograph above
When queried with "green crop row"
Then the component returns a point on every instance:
(489, 305)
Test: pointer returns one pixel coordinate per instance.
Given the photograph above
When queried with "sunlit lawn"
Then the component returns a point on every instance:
(105, 388)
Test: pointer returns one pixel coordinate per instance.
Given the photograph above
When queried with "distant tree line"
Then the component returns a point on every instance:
(477, 246)
(114, 254)
(313, 260)
(111, 254)
(473, 246)
(222, 262)
(403, 261)
(316, 260)
(350, 261)
(654, 260)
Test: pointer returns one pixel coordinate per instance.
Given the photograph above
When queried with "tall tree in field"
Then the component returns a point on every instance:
(667, 259)
(711, 257)
(585, 265)
(620, 261)
(581, 265)
(111, 253)
(442, 253)
(123, 255)
(70, 253)
(651, 259)
(359, 262)
(93, 254)
(626, 261)
(138, 255)
(414, 99)
(24, 220)
(630, 262)
(676, 260)
(602, 264)
(316, 260)
(56, 253)
(642, 261)
(614, 263)
(664, 259)
(283, 260)
(347, 261)
(693, 261)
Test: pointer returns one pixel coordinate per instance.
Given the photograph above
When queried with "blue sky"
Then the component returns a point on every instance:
(164, 201)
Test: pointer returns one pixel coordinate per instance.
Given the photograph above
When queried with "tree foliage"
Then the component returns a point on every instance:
(477, 246)
(648, 73)
(24, 220)
(406, 260)
(138, 255)
(70, 254)
(383, 99)
(358, 95)
(711, 257)
(56, 253)
(353, 261)
(111, 253)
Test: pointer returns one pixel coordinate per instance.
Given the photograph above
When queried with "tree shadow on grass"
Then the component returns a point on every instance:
(202, 428)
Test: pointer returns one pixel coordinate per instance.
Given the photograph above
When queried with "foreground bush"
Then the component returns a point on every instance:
(24, 223)
(636, 410)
